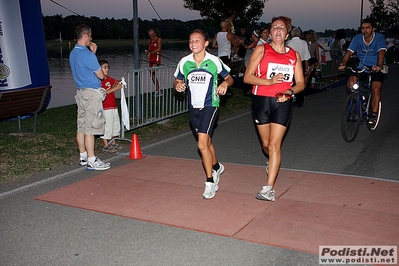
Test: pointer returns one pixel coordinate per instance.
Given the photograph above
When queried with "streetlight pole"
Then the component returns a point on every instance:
(361, 13)
(136, 58)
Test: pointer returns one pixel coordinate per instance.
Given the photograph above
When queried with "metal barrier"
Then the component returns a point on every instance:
(144, 105)
(329, 68)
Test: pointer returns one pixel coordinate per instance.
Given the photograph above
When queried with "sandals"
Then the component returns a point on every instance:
(117, 146)
(110, 149)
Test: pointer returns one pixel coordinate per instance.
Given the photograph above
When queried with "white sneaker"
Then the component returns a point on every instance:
(98, 165)
(210, 190)
(267, 193)
(82, 161)
(216, 174)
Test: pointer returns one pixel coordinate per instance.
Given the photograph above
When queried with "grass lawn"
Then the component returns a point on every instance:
(24, 154)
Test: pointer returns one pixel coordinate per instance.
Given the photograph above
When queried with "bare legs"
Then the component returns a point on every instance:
(208, 153)
(375, 92)
(85, 143)
(271, 136)
(155, 80)
(376, 95)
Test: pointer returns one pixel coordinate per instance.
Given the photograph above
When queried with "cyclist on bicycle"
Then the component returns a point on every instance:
(370, 48)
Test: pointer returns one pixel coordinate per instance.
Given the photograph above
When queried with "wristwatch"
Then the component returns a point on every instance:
(292, 92)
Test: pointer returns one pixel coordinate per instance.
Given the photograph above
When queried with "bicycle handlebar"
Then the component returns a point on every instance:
(358, 71)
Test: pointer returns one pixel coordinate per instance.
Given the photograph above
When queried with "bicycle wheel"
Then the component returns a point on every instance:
(369, 111)
(350, 119)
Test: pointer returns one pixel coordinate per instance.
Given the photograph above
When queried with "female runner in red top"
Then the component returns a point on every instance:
(272, 70)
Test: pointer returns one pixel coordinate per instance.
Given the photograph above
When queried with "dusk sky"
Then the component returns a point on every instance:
(307, 14)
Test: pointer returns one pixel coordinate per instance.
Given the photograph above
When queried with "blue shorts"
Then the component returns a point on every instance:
(267, 110)
(204, 119)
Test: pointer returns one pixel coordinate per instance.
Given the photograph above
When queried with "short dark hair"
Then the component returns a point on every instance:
(103, 62)
(369, 20)
(231, 13)
(80, 30)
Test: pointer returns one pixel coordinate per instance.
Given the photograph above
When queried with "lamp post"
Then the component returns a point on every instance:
(361, 12)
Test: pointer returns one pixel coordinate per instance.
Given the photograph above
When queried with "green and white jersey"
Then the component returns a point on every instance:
(202, 80)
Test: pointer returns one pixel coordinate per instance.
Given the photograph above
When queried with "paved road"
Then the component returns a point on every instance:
(39, 233)
(314, 141)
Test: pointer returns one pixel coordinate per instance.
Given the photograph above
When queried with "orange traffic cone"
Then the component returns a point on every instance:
(135, 151)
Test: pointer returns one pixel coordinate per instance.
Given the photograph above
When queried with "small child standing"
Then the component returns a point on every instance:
(198, 73)
(111, 115)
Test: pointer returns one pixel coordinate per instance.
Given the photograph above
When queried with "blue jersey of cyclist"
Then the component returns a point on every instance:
(368, 54)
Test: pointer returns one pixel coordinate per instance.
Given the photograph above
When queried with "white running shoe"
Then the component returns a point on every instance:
(210, 190)
(267, 193)
(82, 161)
(216, 174)
(98, 165)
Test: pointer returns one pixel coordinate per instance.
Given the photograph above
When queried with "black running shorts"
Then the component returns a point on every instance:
(204, 119)
(267, 110)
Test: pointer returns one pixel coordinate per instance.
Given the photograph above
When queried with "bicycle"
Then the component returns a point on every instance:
(357, 108)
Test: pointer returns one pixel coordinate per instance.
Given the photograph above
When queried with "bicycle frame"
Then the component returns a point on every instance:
(364, 98)
(357, 107)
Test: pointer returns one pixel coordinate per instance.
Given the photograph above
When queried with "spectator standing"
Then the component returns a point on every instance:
(231, 16)
(314, 46)
(224, 40)
(87, 73)
(331, 40)
(301, 47)
(337, 50)
(112, 122)
(241, 51)
(255, 39)
(264, 36)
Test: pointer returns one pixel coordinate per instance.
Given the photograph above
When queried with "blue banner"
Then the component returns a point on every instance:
(23, 55)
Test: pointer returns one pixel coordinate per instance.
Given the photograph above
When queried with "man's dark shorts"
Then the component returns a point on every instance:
(375, 76)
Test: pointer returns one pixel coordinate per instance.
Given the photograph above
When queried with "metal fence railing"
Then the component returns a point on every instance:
(144, 105)
(329, 68)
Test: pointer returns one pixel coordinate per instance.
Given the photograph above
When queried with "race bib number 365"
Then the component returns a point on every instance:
(286, 70)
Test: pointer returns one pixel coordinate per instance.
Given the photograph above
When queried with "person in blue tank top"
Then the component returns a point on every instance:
(370, 47)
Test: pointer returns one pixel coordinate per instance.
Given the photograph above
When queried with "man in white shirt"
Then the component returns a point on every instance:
(301, 47)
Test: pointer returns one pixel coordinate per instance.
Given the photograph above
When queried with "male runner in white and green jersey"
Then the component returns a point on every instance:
(198, 73)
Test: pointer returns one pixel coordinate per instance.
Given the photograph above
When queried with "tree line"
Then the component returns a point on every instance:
(385, 13)
(110, 28)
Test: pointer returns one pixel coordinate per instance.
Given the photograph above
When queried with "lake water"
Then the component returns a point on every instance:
(120, 58)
